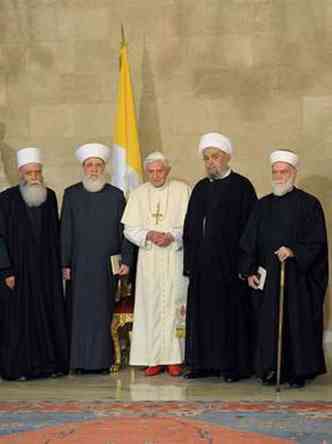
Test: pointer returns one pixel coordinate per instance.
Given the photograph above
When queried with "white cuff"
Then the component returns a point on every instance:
(136, 235)
(177, 234)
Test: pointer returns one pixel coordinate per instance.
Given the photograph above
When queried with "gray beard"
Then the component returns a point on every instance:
(33, 195)
(94, 185)
(218, 174)
(282, 189)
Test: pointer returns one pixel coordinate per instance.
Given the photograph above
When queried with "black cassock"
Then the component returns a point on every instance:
(91, 232)
(217, 324)
(34, 338)
(295, 220)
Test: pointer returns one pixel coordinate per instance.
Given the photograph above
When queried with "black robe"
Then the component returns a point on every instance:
(34, 338)
(217, 312)
(91, 231)
(295, 220)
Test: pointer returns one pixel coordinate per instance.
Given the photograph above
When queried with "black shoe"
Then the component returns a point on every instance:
(57, 374)
(270, 378)
(194, 374)
(22, 379)
(200, 373)
(229, 378)
(297, 383)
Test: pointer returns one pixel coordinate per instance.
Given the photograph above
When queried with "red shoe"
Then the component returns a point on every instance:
(153, 371)
(174, 370)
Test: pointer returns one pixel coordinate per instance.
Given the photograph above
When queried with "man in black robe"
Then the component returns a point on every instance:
(34, 338)
(91, 233)
(287, 225)
(217, 340)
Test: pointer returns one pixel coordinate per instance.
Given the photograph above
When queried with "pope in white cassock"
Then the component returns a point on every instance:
(153, 219)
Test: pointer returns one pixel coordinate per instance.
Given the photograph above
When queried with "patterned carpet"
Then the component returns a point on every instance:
(165, 422)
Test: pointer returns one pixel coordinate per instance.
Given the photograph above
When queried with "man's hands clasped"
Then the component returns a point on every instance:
(160, 238)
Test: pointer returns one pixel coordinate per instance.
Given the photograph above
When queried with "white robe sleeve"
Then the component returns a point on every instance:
(137, 235)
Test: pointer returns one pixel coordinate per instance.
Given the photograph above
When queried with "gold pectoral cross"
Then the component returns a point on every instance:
(157, 215)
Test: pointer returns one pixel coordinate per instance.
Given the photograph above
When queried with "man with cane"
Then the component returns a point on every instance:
(287, 227)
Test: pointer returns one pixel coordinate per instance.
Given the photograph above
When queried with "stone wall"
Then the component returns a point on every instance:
(258, 70)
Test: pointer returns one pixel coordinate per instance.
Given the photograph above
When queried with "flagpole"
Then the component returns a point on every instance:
(123, 36)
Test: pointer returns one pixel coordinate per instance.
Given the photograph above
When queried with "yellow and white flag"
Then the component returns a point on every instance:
(127, 171)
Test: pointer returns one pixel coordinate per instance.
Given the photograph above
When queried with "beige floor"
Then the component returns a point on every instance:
(132, 385)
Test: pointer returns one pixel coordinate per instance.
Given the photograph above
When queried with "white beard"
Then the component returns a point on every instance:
(280, 189)
(94, 184)
(33, 195)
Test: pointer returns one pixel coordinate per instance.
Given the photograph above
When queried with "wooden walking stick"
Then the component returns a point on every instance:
(281, 320)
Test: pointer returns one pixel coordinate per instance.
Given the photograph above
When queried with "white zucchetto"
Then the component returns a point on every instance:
(215, 140)
(153, 157)
(28, 155)
(285, 156)
(93, 150)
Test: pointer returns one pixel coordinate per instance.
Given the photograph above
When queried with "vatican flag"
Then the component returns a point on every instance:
(126, 162)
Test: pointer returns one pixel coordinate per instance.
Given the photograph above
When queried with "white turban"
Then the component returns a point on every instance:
(215, 140)
(285, 156)
(93, 150)
(27, 155)
(153, 157)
